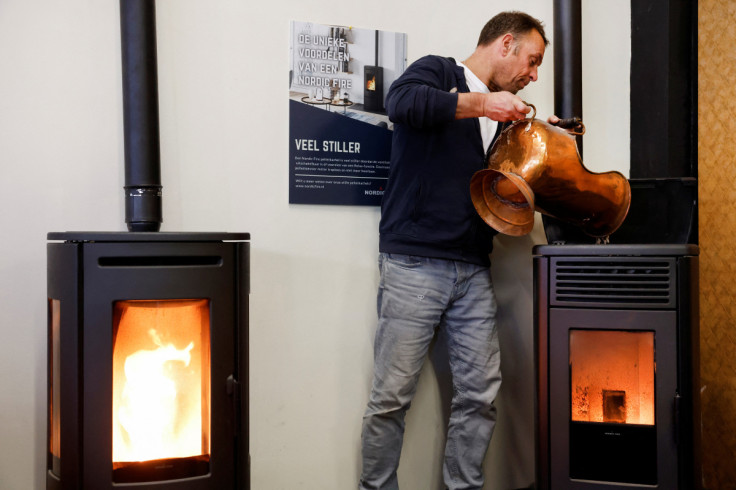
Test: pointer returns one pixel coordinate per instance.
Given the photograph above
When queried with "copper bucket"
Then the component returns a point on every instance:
(534, 165)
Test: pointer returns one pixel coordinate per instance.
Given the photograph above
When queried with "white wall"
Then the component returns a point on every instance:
(223, 70)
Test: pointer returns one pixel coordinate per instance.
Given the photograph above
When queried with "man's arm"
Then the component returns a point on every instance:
(421, 96)
(499, 106)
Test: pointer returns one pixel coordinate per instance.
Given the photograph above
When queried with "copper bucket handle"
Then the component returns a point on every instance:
(577, 127)
(531, 119)
(573, 125)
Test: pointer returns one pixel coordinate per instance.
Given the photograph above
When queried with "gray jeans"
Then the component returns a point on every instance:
(415, 295)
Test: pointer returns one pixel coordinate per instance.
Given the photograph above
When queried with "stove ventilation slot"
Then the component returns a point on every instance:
(162, 261)
(609, 281)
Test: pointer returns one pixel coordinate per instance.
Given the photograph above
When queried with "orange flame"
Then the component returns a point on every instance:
(371, 84)
(148, 408)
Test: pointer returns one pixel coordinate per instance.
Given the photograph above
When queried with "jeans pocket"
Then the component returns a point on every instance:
(405, 261)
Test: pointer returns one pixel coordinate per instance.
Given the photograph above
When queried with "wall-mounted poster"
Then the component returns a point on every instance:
(339, 134)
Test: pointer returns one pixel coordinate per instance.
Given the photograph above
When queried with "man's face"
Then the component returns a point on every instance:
(519, 65)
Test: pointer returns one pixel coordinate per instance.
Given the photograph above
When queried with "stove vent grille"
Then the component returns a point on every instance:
(613, 282)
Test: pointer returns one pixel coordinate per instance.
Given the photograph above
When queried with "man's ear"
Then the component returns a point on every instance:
(507, 43)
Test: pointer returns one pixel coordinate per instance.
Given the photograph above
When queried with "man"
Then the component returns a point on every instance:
(434, 248)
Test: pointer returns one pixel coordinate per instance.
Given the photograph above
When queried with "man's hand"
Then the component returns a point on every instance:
(504, 106)
(573, 125)
(499, 106)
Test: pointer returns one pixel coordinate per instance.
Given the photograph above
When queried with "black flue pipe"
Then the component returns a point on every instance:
(140, 115)
(568, 70)
(376, 47)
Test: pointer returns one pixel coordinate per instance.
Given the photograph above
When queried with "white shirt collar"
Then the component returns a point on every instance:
(474, 83)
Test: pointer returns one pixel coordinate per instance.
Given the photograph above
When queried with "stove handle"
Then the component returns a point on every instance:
(678, 402)
(233, 391)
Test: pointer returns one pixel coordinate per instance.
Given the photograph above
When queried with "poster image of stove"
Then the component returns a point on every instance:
(339, 133)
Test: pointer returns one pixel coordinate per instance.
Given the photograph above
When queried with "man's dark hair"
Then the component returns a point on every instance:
(517, 23)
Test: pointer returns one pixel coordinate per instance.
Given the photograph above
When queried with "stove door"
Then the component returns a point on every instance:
(159, 357)
(613, 384)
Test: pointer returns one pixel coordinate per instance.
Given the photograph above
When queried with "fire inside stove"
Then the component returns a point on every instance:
(161, 389)
(370, 84)
(612, 376)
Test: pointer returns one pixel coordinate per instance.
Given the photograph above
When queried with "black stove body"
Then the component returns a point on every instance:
(373, 93)
(617, 343)
(373, 84)
(148, 364)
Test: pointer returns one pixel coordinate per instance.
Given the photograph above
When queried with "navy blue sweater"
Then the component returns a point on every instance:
(426, 208)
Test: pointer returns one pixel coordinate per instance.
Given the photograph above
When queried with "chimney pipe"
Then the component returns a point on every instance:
(140, 115)
(376, 47)
(568, 61)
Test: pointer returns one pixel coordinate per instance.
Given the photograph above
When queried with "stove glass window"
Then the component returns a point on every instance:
(54, 386)
(612, 376)
(161, 389)
(613, 436)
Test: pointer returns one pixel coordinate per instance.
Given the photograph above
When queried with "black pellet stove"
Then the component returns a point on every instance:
(617, 342)
(148, 366)
(147, 331)
(373, 84)
(617, 328)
